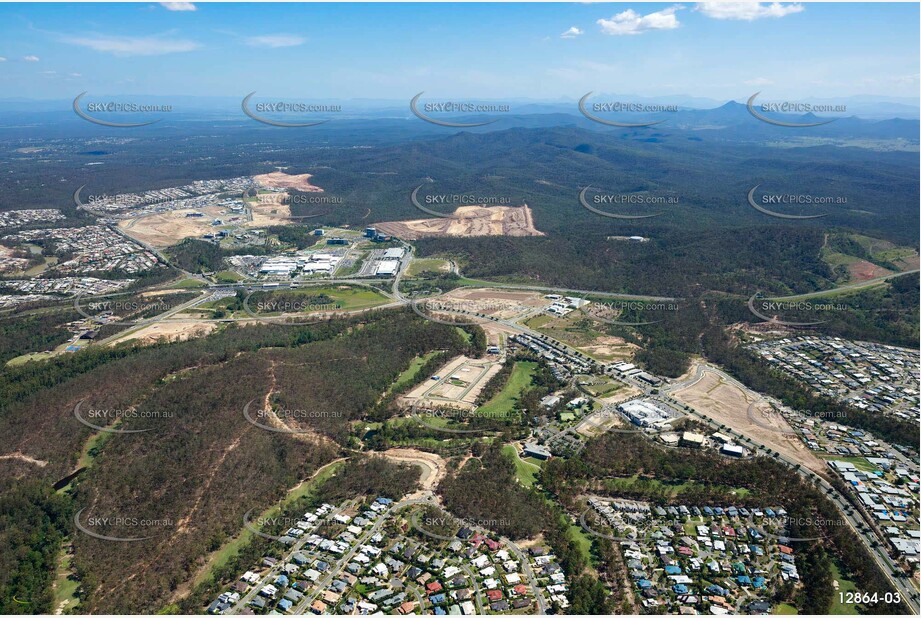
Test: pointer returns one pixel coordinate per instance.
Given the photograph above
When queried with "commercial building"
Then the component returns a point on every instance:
(692, 439)
(537, 451)
(733, 450)
(387, 268)
(644, 413)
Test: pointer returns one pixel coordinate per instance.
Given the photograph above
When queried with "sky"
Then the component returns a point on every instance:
(538, 51)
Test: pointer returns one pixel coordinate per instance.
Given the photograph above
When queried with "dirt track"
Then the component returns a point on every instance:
(433, 468)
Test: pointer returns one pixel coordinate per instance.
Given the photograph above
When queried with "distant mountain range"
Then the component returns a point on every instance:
(862, 106)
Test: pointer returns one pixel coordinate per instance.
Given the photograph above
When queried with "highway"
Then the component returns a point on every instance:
(849, 287)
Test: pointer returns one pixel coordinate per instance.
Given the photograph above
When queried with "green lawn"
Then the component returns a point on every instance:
(504, 401)
(579, 535)
(421, 265)
(859, 462)
(526, 472)
(410, 373)
(65, 586)
(538, 321)
(845, 586)
(347, 297)
(189, 284)
(228, 276)
(669, 489)
(31, 356)
(785, 609)
(351, 297)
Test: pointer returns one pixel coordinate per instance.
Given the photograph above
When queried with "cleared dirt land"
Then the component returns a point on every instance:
(497, 303)
(269, 209)
(468, 221)
(597, 424)
(728, 403)
(281, 180)
(585, 335)
(168, 331)
(168, 228)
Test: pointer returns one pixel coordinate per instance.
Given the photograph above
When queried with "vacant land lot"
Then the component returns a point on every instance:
(468, 221)
(728, 403)
(281, 180)
(168, 228)
(269, 209)
(168, 330)
(585, 334)
(421, 265)
(495, 302)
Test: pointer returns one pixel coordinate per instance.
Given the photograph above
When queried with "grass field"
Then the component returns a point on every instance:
(350, 297)
(503, 402)
(670, 489)
(31, 356)
(601, 387)
(65, 586)
(579, 535)
(189, 284)
(410, 373)
(421, 265)
(526, 472)
(785, 609)
(228, 276)
(538, 321)
(346, 297)
(844, 586)
(859, 462)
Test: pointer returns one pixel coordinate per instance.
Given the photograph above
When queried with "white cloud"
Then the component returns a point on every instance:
(134, 46)
(76, 74)
(179, 6)
(275, 40)
(2, 59)
(571, 33)
(30, 58)
(631, 22)
(759, 81)
(747, 11)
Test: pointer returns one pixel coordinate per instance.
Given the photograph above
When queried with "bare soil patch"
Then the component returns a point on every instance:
(728, 404)
(269, 209)
(169, 331)
(281, 180)
(468, 221)
(864, 271)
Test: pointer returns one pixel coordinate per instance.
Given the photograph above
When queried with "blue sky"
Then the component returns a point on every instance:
(488, 51)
